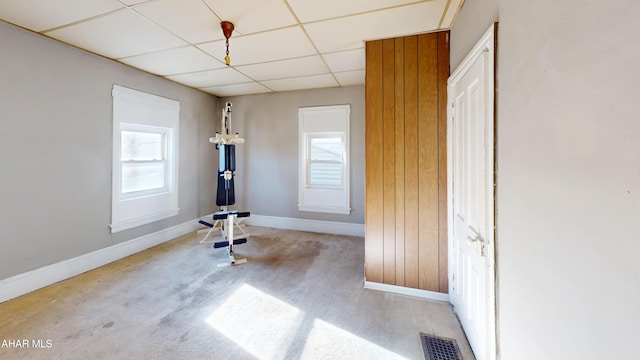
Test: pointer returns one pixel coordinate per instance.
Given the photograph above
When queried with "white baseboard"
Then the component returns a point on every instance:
(33, 280)
(425, 294)
(319, 226)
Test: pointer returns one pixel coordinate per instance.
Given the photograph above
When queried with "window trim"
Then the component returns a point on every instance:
(136, 111)
(324, 121)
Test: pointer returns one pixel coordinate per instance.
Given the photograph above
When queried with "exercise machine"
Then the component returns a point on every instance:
(227, 220)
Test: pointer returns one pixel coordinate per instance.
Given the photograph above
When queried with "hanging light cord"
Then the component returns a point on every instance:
(227, 59)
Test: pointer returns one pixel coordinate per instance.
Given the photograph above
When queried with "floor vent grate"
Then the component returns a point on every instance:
(437, 348)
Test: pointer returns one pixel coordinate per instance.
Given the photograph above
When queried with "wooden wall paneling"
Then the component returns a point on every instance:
(406, 104)
(399, 160)
(388, 156)
(373, 163)
(411, 161)
(443, 76)
(428, 162)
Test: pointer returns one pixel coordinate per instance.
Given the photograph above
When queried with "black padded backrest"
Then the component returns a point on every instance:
(227, 157)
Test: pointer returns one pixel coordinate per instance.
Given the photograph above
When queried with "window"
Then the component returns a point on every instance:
(145, 168)
(324, 160)
(143, 159)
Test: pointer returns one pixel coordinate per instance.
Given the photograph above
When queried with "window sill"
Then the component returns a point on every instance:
(325, 209)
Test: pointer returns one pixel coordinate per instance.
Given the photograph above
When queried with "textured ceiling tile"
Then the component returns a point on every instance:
(350, 32)
(39, 15)
(350, 78)
(209, 78)
(326, 9)
(175, 61)
(345, 60)
(250, 16)
(189, 19)
(268, 46)
(310, 65)
(299, 83)
(237, 89)
(117, 35)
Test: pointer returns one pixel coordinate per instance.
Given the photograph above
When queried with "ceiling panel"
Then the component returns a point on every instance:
(345, 60)
(267, 46)
(39, 15)
(182, 60)
(237, 89)
(209, 78)
(351, 32)
(350, 78)
(310, 65)
(277, 45)
(191, 20)
(119, 34)
(300, 83)
(250, 16)
(327, 9)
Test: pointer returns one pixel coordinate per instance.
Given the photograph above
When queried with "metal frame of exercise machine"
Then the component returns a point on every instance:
(225, 219)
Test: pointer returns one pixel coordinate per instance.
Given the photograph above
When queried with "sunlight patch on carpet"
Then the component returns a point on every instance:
(261, 324)
(326, 341)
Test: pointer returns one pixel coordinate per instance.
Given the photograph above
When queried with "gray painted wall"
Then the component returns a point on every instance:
(56, 143)
(267, 175)
(568, 191)
(471, 23)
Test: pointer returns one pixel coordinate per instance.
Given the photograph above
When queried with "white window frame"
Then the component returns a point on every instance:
(324, 121)
(141, 112)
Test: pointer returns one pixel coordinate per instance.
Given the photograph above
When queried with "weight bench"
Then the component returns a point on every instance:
(227, 221)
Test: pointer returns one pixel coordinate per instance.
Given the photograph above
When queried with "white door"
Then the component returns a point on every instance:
(471, 197)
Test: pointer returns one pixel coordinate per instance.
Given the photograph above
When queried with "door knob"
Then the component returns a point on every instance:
(473, 238)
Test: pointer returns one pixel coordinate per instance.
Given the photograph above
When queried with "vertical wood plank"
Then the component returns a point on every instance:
(443, 76)
(388, 156)
(428, 161)
(399, 159)
(373, 163)
(411, 162)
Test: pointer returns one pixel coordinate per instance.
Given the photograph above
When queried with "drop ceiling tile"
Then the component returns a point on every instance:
(315, 10)
(350, 78)
(299, 83)
(345, 60)
(182, 60)
(117, 35)
(224, 76)
(349, 32)
(250, 16)
(262, 47)
(39, 15)
(191, 20)
(310, 65)
(237, 89)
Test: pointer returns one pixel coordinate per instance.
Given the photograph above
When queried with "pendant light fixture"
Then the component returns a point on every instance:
(227, 29)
